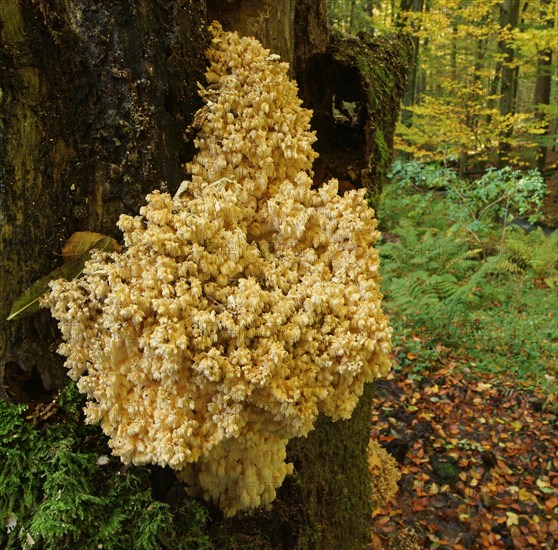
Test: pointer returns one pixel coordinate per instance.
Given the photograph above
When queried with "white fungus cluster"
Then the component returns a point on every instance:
(241, 308)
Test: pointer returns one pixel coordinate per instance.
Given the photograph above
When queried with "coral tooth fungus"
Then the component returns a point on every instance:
(241, 308)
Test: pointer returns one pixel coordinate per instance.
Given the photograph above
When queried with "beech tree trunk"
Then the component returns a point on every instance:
(95, 98)
(409, 98)
(543, 85)
(509, 18)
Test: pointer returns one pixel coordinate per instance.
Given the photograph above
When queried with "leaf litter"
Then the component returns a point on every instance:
(478, 457)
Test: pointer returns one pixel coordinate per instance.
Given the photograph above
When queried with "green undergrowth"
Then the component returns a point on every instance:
(461, 279)
(61, 488)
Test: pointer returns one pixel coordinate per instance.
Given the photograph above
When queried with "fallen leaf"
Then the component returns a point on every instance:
(513, 519)
(28, 302)
(543, 485)
(376, 542)
(526, 496)
(81, 241)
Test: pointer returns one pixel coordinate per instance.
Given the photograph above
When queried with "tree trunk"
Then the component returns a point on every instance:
(509, 18)
(270, 21)
(95, 97)
(414, 6)
(543, 84)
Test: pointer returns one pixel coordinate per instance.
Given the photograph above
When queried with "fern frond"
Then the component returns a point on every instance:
(444, 285)
(534, 250)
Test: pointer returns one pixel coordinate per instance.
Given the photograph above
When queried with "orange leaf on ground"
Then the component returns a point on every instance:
(516, 477)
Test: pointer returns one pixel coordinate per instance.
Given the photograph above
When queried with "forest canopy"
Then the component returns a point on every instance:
(480, 90)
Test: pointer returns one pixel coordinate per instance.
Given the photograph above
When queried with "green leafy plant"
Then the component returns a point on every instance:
(420, 175)
(412, 196)
(432, 195)
(534, 251)
(498, 195)
(443, 291)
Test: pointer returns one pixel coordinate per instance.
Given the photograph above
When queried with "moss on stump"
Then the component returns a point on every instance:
(355, 88)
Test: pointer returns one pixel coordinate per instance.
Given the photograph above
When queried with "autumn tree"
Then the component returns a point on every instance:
(409, 19)
(543, 84)
(475, 81)
(350, 15)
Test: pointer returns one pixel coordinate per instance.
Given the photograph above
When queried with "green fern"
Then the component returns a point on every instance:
(427, 280)
(535, 251)
(430, 252)
(438, 289)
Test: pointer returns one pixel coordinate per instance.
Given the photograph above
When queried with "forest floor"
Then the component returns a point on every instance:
(478, 457)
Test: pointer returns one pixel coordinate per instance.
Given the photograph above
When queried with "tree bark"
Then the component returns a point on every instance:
(365, 73)
(271, 22)
(95, 98)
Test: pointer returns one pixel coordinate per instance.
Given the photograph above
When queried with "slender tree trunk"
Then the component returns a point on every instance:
(422, 74)
(411, 6)
(95, 97)
(352, 15)
(543, 84)
(453, 55)
(478, 96)
(509, 18)
(369, 9)
(332, 7)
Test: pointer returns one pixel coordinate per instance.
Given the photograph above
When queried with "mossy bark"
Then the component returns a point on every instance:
(326, 504)
(95, 97)
(94, 100)
(355, 87)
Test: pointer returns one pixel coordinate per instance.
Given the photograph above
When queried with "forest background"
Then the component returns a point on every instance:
(470, 258)
(480, 91)
(469, 247)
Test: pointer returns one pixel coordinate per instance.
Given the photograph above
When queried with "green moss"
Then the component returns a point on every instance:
(56, 494)
(332, 460)
(382, 146)
(382, 64)
(325, 504)
(383, 156)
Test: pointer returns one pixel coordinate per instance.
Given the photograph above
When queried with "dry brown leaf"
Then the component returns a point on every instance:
(81, 241)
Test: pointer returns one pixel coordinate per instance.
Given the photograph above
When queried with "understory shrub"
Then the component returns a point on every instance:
(490, 297)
